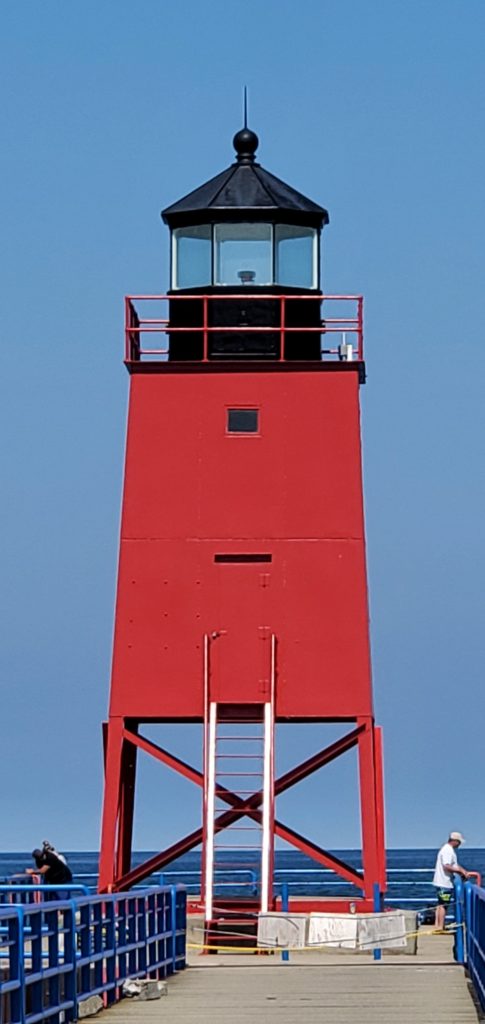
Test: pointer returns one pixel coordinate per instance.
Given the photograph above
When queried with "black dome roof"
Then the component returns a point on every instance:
(243, 188)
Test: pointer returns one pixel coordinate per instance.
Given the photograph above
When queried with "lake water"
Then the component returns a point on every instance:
(409, 872)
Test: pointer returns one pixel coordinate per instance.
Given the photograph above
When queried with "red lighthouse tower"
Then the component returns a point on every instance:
(242, 593)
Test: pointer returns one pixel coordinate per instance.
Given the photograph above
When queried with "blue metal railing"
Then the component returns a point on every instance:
(53, 954)
(417, 882)
(33, 893)
(475, 937)
(38, 971)
(235, 879)
(319, 881)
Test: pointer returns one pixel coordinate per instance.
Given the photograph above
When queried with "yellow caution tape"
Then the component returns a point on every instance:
(253, 950)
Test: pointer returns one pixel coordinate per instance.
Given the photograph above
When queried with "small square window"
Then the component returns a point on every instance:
(242, 421)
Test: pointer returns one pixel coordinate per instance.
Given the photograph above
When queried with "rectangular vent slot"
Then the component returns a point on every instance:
(242, 558)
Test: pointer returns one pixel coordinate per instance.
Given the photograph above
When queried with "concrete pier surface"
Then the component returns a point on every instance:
(331, 988)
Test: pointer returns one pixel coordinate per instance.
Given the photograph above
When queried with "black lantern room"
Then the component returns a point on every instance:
(247, 235)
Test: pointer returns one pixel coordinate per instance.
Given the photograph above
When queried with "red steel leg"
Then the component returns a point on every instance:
(127, 806)
(368, 808)
(112, 783)
(381, 838)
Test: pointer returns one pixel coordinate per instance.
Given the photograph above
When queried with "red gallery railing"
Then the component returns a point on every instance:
(140, 327)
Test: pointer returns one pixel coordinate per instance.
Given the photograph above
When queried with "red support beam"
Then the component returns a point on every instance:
(126, 807)
(241, 808)
(160, 860)
(165, 757)
(296, 774)
(370, 857)
(306, 768)
(111, 804)
(319, 854)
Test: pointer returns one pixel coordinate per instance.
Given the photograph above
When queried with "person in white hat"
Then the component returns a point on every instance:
(446, 866)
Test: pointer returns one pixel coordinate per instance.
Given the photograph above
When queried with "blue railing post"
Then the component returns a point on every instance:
(459, 944)
(110, 945)
(16, 969)
(34, 918)
(377, 910)
(52, 923)
(468, 917)
(181, 928)
(70, 954)
(173, 924)
(285, 906)
(142, 933)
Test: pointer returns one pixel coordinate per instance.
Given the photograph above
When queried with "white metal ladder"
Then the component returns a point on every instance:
(239, 760)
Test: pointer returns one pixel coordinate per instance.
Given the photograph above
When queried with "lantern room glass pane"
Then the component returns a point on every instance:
(192, 257)
(243, 254)
(296, 253)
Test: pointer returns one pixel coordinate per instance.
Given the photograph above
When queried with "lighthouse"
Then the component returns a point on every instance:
(242, 589)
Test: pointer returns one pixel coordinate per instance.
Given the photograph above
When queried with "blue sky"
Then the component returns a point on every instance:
(113, 110)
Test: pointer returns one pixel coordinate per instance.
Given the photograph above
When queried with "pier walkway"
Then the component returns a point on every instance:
(331, 988)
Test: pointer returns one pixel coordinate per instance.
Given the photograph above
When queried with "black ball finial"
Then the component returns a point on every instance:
(245, 143)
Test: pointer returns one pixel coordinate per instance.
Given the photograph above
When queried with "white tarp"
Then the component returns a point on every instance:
(287, 931)
(361, 932)
(337, 930)
(382, 931)
(358, 931)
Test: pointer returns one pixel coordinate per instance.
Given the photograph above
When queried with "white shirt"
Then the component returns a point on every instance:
(442, 878)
